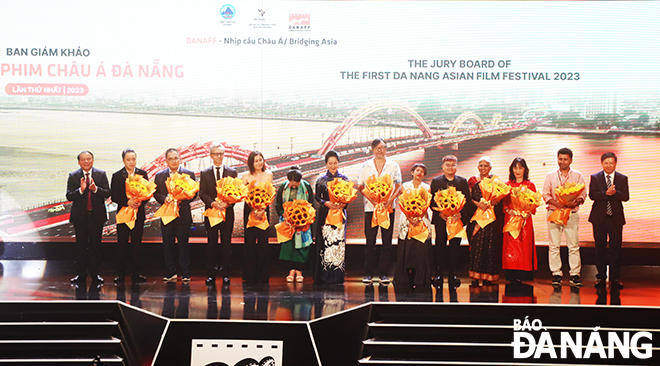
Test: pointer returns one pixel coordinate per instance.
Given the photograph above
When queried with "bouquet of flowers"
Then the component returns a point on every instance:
(230, 190)
(379, 190)
(566, 195)
(414, 203)
(139, 189)
(450, 203)
(524, 202)
(491, 190)
(179, 187)
(340, 191)
(299, 215)
(259, 197)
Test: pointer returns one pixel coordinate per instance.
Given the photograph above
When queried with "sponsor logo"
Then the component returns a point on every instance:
(299, 22)
(227, 11)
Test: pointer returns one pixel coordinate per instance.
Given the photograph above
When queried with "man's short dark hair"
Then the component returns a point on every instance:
(85, 152)
(126, 151)
(608, 155)
(170, 150)
(565, 151)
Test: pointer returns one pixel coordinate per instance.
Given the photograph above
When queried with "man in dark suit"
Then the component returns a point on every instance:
(179, 229)
(442, 250)
(608, 189)
(208, 193)
(118, 187)
(87, 188)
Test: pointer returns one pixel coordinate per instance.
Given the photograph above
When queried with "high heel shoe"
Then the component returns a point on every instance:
(291, 275)
(299, 276)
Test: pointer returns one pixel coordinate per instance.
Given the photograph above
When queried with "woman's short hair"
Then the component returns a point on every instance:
(294, 174)
(126, 151)
(418, 165)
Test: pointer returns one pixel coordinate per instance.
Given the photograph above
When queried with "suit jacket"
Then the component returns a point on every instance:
(79, 201)
(207, 191)
(597, 189)
(440, 183)
(118, 189)
(185, 216)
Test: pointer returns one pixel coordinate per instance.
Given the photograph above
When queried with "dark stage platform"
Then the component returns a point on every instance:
(46, 320)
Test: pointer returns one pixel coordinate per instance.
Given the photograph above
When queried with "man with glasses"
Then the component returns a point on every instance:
(179, 229)
(208, 193)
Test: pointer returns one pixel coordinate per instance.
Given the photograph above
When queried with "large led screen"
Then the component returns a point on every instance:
(294, 79)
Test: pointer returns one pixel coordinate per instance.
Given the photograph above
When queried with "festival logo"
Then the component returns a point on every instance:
(227, 11)
(232, 352)
(299, 22)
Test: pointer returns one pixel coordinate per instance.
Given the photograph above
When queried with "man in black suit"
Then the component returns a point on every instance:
(118, 187)
(179, 229)
(208, 193)
(87, 188)
(608, 189)
(442, 250)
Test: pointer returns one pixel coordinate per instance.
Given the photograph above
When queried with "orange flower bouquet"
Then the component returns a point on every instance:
(566, 195)
(379, 190)
(414, 203)
(259, 197)
(180, 187)
(298, 216)
(450, 203)
(230, 190)
(340, 191)
(491, 190)
(139, 189)
(524, 202)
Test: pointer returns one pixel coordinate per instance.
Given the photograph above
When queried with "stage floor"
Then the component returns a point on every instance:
(279, 300)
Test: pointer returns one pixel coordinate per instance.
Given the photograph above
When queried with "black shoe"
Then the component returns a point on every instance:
(600, 283)
(97, 279)
(78, 278)
(487, 283)
(454, 281)
(210, 280)
(226, 280)
(616, 284)
(475, 283)
(556, 281)
(384, 280)
(438, 280)
(170, 279)
(138, 279)
(367, 279)
(576, 281)
(119, 279)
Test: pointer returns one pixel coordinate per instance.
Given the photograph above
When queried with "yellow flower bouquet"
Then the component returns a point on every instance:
(379, 190)
(230, 190)
(491, 190)
(259, 197)
(524, 202)
(139, 189)
(298, 216)
(450, 203)
(414, 203)
(179, 187)
(566, 195)
(340, 191)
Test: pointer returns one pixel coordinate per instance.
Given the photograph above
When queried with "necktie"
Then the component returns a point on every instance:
(217, 173)
(88, 181)
(609, 204)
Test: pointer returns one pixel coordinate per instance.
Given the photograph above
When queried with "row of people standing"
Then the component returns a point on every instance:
(490, 251)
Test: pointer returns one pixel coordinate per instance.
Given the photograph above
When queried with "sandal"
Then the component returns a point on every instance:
(299, 276)
(289, 278)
